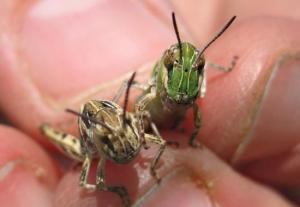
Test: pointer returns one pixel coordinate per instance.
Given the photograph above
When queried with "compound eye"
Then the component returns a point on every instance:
(87, 121)
(169, 59)
(199, 64)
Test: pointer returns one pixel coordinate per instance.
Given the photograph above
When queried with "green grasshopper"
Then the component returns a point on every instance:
(107, 131)
(177, 80)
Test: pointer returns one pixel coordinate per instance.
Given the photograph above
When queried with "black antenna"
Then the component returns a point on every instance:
(95, 121)
(218, 34)
(177, 35)
(129, 83)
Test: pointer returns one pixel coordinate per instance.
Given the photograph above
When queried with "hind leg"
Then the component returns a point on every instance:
(69, 144)
(217, 67)
(222, 68)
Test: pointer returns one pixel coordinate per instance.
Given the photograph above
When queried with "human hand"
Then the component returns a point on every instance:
(57, 55)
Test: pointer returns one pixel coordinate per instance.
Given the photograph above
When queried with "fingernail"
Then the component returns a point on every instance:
(19, 186)
(54, 9)
(180, 188)
(277, 121)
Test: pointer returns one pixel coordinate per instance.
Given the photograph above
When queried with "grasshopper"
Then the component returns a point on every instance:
(177, 80)
(107, 131)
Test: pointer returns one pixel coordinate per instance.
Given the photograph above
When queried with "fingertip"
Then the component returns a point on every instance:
(20, 186)
(27, 175)
(17, 148)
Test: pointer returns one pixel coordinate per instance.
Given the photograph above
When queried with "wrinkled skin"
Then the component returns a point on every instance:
(57, 54)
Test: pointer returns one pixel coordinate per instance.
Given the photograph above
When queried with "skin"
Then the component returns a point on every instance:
(45, 67)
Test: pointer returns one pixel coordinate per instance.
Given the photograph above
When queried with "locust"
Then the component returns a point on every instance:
(107, 131)
(177, 80)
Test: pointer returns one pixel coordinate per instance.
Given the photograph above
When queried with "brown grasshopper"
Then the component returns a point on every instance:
(107, 131)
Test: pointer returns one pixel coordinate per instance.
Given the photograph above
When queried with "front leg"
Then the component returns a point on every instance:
(83, 180)
(140, 112)
(147, 116)
(197, 126)
(157, 140)
(100, 182)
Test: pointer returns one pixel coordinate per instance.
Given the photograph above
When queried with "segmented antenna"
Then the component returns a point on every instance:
(218, 35)
(95, 121)
(177, 35)
(130, 81)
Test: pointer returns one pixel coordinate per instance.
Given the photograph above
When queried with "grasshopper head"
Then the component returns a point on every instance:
(184, 73)
(185, 68)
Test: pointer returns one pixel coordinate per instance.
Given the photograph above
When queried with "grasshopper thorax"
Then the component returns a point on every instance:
(184, 73)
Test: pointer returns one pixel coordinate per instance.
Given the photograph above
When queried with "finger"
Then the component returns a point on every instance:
(190, 178)
(227, 139)
(27, 175)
